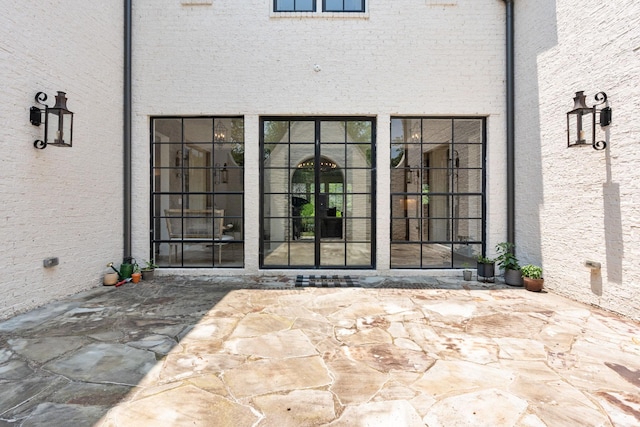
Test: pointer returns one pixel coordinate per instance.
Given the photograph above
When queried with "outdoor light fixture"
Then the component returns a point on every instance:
(581, 121)
(221, 174)
(224, 174)
(58, 121)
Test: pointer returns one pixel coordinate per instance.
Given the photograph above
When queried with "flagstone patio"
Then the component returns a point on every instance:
(429, 351)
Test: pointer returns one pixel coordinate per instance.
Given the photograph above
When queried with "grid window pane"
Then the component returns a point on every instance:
(344, 5)
(354, 5)
(437, 190)
(198, 191)
(294, 5)
(331, 5)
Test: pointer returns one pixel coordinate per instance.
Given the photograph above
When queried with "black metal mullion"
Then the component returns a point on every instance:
(316, 196)
(289, 193)
(450, 196)
(484, 185)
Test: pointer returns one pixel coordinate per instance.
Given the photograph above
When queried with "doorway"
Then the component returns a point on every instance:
(317, 204)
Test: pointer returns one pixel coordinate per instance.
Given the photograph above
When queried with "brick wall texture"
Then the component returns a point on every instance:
(403, 58)
(59, 202)
(578, 204)
(399, 58)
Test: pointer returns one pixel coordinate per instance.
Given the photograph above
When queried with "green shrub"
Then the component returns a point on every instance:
(531, 271)
(506, 259)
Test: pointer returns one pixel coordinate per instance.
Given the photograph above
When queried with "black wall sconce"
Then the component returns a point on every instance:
(221, 174)
(581, 121)
(58, 121)
(182, 159)
(408, 175)
(224, 174)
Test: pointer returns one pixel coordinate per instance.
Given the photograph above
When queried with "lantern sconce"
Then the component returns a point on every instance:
(224, 174)
(58, 121)
(221, 174)
(581, 121)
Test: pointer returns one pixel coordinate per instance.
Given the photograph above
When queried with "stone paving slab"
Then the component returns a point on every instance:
(429, 351)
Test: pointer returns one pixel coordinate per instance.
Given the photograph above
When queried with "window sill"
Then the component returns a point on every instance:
(322, 15)
(196, 2)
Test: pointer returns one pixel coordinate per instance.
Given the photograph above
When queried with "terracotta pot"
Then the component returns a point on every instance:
(533, 285)
(135, 277)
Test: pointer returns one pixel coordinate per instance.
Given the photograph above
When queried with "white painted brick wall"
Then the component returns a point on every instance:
(234, 57)
(59, 202)
(413, 57)
(579, 204)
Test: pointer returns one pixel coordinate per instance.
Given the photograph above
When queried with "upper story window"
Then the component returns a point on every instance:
(310, 5)
(294, 5)
(343, 5)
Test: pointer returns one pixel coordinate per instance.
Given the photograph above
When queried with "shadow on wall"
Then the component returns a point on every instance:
(612, 226)
(535, 32)
(596, 282)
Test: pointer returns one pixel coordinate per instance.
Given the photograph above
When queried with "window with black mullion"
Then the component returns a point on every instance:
(294, 5)
(343, 5)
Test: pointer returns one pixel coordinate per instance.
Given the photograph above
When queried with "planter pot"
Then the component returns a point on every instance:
(147, 274)
(466, 274)
(110, 279)
(135, 277)
(533, 285)
(486, 270)
(513, 277)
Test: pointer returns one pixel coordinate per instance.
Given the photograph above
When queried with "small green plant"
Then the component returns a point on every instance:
(484, 260)
(136, 267)
(506, 259)
(149, 265)
(531, 271)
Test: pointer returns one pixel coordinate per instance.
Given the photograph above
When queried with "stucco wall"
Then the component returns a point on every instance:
(399, 58)
(578, 204)
(59, 202)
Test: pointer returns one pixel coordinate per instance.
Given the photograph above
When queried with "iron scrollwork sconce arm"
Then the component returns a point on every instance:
(605, 119)
(57, 115)
(35, 117)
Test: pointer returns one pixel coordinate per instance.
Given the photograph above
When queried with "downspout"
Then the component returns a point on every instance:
(127, 132)
(511, 158)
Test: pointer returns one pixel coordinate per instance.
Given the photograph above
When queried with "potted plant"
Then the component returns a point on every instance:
(148, 270)
(466, 273)
(532, 277)
(486, 267)
(508, 262)
(136, 275)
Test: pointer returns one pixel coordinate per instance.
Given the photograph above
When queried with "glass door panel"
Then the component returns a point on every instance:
(312, 175)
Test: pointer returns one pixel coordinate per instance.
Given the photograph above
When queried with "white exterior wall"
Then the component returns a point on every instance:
(229, 57)
(579, 204)
(59, 202)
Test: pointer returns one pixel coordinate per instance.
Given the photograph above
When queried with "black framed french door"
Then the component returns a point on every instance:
(317, 205)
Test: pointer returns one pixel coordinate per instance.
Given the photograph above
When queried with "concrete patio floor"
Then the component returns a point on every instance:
(181, 351)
